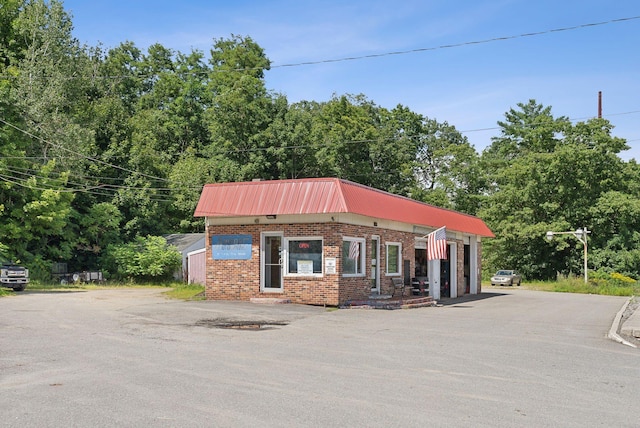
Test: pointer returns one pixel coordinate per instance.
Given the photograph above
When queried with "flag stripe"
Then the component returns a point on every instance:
(437, 244)
(354, 250)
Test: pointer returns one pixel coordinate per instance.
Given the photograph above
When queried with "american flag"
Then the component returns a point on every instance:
(437, 244)
(354, 250)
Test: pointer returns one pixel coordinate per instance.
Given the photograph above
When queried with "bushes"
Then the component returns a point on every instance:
(144, 259)
(600, 282)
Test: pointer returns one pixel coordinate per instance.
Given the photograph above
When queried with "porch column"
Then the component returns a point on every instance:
(434, 278)
(473, 264)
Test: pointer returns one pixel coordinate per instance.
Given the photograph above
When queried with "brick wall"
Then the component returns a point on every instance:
(240, 279)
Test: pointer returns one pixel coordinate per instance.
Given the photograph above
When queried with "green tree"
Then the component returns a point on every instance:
(35, 218)
(549, 174)
(288, 141)
(341, 135)
(188, 176)
(163, 100)
(39, 138)
(615, 241)
(11, 46)
(446, 167)
(98, 228)
(241, 107)
(43, 93)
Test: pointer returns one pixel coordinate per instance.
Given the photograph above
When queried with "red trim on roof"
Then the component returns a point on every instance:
(327, 196)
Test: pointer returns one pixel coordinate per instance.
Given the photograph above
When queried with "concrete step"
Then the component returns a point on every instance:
(399, 303)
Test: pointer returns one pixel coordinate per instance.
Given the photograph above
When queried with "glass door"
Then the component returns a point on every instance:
(271, 262)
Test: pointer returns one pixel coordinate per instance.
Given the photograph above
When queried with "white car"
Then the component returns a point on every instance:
(506, 277)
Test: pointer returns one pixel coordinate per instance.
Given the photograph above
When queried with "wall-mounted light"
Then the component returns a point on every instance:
(256, 221)
(375, 223)
(271, 216)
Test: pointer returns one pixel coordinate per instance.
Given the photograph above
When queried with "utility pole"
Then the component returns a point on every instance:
(599, 104)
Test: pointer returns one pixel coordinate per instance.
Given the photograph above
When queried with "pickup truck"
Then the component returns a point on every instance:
(13, 276)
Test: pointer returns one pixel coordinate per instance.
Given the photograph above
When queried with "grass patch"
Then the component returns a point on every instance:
(577, 285)
(186, 292)
(175, 290)
(539, 285)
(48, 286)
(607, 288)
(55, 286)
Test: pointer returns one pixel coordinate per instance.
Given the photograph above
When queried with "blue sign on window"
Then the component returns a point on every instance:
(231, 247)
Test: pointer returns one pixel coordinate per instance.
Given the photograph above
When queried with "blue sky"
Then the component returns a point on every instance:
(470, 86)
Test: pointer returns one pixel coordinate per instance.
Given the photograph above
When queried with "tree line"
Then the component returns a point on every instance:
(100, 148)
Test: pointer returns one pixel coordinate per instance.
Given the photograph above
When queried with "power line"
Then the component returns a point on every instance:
(30, 172)
(360, 57)
(315, 145)
(111, 188)
(457, 45)
(23, 182)
(79, 154)
(494, 128)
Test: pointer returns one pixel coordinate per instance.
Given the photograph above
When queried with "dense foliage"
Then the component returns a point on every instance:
(547, 174)
(146, 258)
(99, 147)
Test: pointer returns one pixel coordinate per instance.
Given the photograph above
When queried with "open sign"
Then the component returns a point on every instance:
(304, 245)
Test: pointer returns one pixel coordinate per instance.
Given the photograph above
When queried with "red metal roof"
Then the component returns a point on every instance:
(327, 196)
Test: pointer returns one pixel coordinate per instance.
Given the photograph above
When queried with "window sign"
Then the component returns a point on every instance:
(304, 256)
(330, 265)
(305, 267)
(231, 247)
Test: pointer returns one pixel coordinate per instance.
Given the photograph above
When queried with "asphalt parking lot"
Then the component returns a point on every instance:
(131, 357)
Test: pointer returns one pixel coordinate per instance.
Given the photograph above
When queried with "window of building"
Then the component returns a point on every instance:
(353, 256)
(303, 256)
(394, 254)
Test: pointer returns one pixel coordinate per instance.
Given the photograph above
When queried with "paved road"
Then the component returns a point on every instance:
(132, 358)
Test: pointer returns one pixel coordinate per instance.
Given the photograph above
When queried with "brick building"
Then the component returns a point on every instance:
(325, 241)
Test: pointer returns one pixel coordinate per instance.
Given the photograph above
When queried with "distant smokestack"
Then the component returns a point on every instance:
(599, 104)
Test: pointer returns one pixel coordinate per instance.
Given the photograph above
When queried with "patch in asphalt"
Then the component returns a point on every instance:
(239, 324)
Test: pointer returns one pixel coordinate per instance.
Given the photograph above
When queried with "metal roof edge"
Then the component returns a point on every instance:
(395, 195)
(339, 185)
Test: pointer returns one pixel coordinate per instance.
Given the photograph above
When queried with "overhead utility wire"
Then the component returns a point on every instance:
(104, 189)
(575, 119)
(79, 186)
(30, 172)
(34, 172)
(306, 146)
(457, 45)
(22, 182)
(383, 54)
(301, 146)
(80, 155)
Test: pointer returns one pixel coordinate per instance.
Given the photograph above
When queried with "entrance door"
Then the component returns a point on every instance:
(449, 273)
(445, 280)
(271, 268)
(375, 264)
